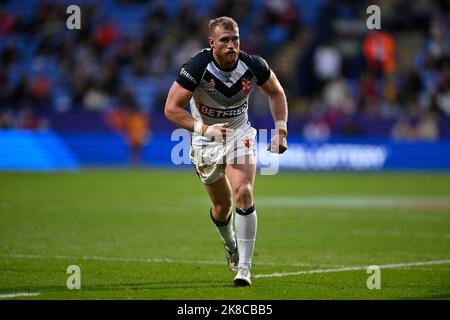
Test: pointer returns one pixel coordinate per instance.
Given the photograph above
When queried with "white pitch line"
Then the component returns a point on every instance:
(153, 260)
(19, 294)
(356, 268)
(419, 268)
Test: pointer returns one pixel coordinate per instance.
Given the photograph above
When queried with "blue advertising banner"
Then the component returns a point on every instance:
(41, 151)
(363, 155)
(22, 150)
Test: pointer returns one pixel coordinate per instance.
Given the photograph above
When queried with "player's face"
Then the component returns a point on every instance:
(226, 45)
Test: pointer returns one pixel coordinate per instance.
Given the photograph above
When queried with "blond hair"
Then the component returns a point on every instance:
(226, 23)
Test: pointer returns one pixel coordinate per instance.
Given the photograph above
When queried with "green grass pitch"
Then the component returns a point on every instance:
(145, 234)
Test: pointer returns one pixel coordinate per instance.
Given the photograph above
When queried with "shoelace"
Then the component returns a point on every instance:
(244, 271)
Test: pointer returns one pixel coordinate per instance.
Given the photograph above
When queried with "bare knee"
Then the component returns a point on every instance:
(244, 195)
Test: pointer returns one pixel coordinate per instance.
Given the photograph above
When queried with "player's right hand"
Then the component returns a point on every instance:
(217, 132)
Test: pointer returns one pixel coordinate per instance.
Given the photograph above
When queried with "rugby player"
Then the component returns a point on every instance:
(216, 83)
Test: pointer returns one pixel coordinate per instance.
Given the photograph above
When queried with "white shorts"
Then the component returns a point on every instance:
(209, 161)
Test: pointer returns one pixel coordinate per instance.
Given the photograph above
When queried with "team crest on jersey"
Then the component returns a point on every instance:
(248, 143)
(246, 86)
(211, 85)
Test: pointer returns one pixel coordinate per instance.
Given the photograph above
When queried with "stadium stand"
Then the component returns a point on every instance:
(327, 60)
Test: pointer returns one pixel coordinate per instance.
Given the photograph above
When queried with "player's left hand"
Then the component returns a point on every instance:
(278, 143)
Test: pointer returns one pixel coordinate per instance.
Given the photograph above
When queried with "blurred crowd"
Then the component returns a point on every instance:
(340, 78)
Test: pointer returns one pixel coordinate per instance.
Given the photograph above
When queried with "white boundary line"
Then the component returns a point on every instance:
(356, 268)
(271, 275)
(19, 294)
(154, 260)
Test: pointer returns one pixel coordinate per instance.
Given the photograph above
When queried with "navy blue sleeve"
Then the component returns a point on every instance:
(258, 66)
(191, 72)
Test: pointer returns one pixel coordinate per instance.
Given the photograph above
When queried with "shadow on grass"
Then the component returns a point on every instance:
(115, 287)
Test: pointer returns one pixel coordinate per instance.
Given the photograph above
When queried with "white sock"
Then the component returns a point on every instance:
(226, 233)
(246, 225)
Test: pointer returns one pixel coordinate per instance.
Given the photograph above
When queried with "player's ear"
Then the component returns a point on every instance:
(211, 41)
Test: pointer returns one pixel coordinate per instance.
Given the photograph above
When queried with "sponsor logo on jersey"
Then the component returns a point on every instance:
(187, 75)
(218, 113)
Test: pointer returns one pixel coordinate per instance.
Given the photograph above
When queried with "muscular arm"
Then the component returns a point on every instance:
(177, 99)
(278, 107)
(277, 99)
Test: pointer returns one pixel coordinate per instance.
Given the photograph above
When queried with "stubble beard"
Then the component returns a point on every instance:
(228, 60)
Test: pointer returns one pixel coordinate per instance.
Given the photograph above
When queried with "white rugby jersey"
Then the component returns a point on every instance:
(221, 95)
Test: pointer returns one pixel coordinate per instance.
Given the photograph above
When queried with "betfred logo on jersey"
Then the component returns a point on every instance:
(187, 75)
(218, 113)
